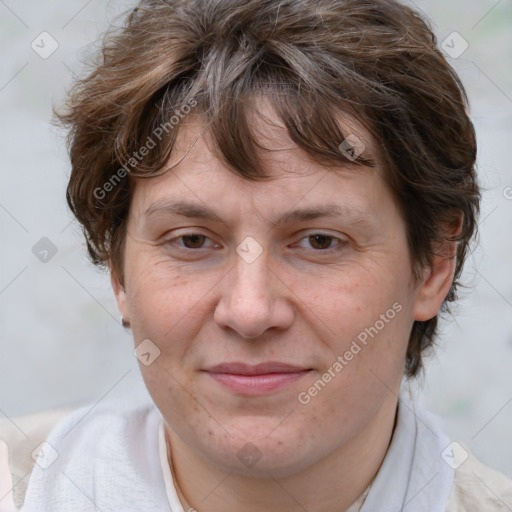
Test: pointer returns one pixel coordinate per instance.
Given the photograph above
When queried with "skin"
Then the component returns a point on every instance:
(299, 302)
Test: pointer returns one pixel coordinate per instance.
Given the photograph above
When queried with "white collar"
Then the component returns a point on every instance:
(413, 476)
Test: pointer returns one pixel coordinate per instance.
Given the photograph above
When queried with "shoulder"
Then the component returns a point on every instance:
(98, 431)
(45, 443)
(20, 439)
(85, 421)
(102, 432)
(479, 487)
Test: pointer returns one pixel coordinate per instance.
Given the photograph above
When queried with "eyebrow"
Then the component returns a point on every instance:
(199, 211)
(182, 208)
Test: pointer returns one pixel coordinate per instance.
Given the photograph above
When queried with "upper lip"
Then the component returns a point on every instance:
(237, 368)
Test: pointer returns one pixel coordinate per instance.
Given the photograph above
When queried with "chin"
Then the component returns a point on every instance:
(264, 456)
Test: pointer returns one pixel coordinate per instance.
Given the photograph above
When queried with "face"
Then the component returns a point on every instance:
(280, 311)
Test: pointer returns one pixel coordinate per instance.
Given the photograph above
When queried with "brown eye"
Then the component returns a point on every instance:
(193, 241)
(320, 241)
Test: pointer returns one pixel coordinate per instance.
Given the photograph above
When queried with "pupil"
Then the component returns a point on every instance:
(320, 240)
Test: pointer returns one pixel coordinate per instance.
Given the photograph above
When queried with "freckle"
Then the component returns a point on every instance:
(210, 433)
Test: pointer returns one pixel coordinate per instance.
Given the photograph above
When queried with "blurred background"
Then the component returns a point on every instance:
(61, 341)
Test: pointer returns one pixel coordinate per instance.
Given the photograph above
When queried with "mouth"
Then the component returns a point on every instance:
(257, 379)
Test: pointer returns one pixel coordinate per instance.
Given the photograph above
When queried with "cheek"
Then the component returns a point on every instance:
(363, 315)
(165, 299)
(350, 300)
(174, 393)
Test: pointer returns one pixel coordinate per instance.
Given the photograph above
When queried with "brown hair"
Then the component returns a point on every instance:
(315, 60)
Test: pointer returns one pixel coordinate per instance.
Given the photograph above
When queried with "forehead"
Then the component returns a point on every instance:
(197, 169)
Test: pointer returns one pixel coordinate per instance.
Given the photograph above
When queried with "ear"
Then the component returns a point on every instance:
(120, 294)
(438, 278)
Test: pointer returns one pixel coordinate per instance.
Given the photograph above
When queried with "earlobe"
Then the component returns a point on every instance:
(120, 295)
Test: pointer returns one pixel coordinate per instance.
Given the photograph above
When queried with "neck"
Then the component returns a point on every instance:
(333, 484)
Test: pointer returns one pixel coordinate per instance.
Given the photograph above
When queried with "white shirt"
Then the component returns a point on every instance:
(114, 458)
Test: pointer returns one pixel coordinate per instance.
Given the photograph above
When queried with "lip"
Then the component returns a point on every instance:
(256, 379)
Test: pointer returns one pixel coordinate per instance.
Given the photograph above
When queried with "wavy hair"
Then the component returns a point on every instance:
(314, 60)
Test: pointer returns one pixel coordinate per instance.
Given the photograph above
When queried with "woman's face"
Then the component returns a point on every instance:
(271, 318)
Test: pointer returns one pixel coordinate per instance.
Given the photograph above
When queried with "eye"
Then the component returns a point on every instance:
(321, 241)
(191, 241)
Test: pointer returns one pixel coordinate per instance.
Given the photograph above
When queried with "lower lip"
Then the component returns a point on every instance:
(257, 384)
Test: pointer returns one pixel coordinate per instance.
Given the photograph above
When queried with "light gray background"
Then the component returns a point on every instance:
(61, 342)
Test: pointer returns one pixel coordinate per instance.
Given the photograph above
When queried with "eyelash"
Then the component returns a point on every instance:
(340, 242)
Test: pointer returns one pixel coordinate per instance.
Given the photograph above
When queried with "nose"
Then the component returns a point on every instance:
(253, 299)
